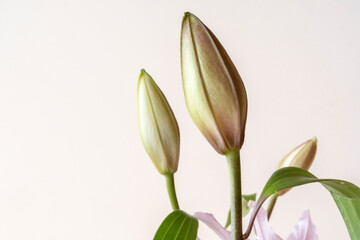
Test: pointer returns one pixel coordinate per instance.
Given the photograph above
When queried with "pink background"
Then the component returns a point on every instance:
(71, 161)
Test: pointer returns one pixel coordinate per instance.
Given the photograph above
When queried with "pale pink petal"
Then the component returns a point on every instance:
(261, 225)
(209, 220)
(304, 229)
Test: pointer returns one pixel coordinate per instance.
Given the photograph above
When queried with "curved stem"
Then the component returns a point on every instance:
(233, 159)
(271, 205)
(251, 223)
(255, 211)
(171, 191)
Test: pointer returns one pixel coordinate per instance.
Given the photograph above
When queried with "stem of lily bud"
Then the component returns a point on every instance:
(271, 205)
(171, 191)
(233, 159)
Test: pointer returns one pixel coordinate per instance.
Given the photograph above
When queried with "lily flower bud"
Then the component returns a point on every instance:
(302, 157)
(158, 127)
(214, 92)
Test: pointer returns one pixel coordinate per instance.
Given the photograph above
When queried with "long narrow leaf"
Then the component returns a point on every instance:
(345, 194)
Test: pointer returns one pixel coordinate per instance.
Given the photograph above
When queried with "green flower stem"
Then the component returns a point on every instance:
(233, 159)
(171, 191)
(271, 205)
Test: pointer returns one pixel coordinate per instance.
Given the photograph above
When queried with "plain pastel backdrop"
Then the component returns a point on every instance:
(71, 162)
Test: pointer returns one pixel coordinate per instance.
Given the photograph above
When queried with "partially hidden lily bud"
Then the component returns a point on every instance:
(302, 157)
(158, 127)
(214, 92)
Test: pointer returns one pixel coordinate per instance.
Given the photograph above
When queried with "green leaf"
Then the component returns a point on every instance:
(249, 197)
(245, 208)
(345, 194)
(178, 225)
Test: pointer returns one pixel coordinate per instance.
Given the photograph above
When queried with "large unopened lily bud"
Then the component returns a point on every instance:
(302, 157)
(158, 127)
(214, 92)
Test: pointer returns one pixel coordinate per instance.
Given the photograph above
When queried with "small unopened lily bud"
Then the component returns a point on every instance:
(302, 157)
(214, 92)
(158, 127)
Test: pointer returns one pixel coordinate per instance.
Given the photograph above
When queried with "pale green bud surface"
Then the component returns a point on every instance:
(158, 127)
(214, 92)
(302, 157)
